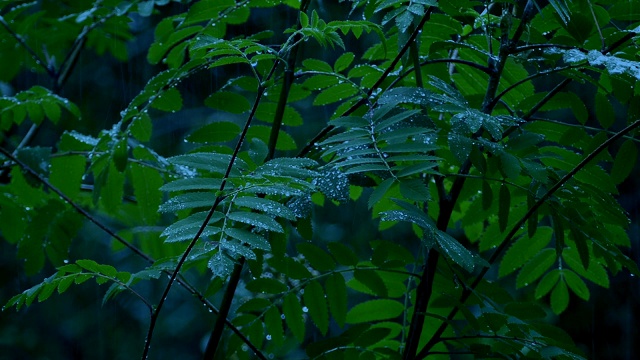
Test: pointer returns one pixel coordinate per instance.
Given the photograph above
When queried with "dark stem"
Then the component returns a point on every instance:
(217, 202)
(184, 283)
(234, 279)
(225, 306)
(531, 77)
(415, 58)
(447, 203)
(514, 230)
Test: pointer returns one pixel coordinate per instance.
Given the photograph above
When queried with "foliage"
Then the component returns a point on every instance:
(490, 177)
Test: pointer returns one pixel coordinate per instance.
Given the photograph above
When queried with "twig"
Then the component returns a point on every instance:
(218, 200)
(184, 283)
(447, 203)
(516, 228)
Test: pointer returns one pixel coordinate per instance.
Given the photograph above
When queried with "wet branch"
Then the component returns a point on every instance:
(516, 227)
(447, 202)
(182, 282)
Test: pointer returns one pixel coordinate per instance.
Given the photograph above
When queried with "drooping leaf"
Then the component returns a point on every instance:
(292, 311)
(316, 257)
(524, 249)
(560, 297)
(374, 310)
(316, 303)
(455, 251)
(624, 161)
(336, 290)
(535, 267)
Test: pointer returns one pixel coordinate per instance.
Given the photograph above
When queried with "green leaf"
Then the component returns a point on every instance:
(596, 272)
(336, 290)
(208, 184)
(624, 161)
(292, 311)
(66, 174)
(537, 266)
(604, 111)
(191, 200)
(273, 325)
(375, 310)
(546, 284)
(316, 257)
(342, 254)
(228, 101)
(257, 220)
(213, 162)
(317, 65)
(169, 100)
(576, 284)
(289, 267)
(285, 141)
(524, 249)
(112, 191)
(146, 185)
(215, 132)
(559, 297)
(186, 228)
(372, 337)
(335, 93)
(51, 110)
(504, 207)
(316, 303)
(267, 206)
(379, 192)
(141, 127)
(525, 310)
(532, 222)
(455, 251)
(255, 241)
(343, 62)
(581, 240)
(372, 281)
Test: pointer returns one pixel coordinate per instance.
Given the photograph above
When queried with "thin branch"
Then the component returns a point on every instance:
(80, 210)
(424, 291)
(479, 177)
(516, 228)
(216, 334)
(414, 54)
(184, 283)
(585, 127)
(595, 21)
(373, 88)
(534, 109)
(528, 78)
(213, 208)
